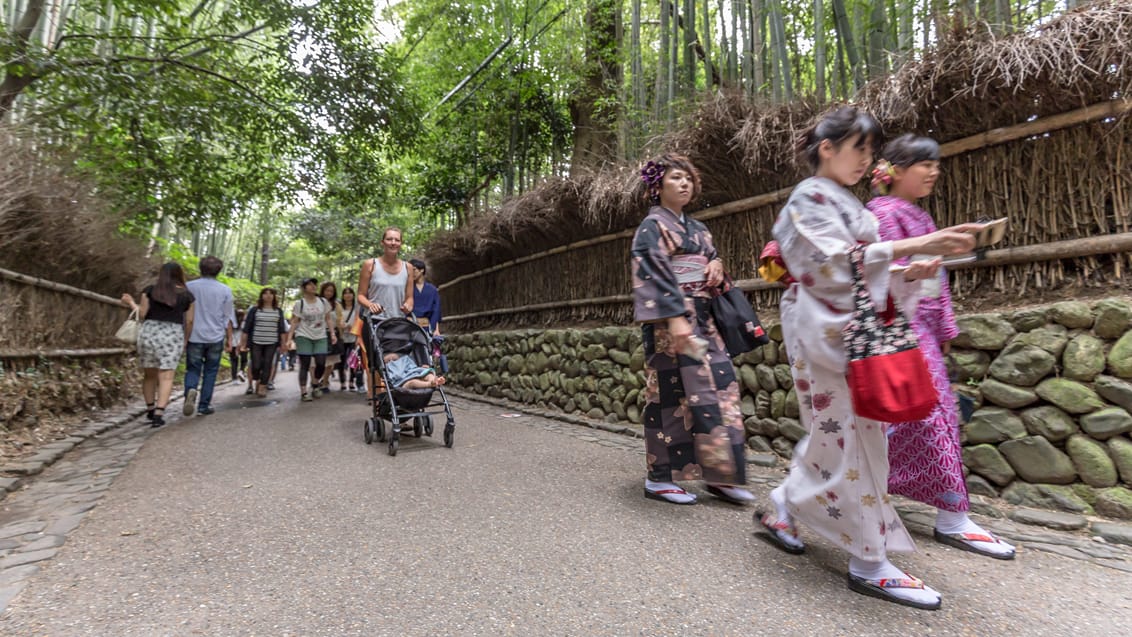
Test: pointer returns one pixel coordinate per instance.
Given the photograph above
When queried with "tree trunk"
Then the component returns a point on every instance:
(819, 49)
(594, 117)
(846, 41)
(662, 64)
(878, 59)
(17, 76)
(782, 62)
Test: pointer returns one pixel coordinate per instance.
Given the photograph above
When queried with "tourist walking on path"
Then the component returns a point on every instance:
(350, 312)
(426, 299)
(237, 360)
(213, 321)
(385, 290)
(310, 318)
(166, 311)
(925, 457)
(264, 333)
(838, 481)
(334, 357)
(693, 425)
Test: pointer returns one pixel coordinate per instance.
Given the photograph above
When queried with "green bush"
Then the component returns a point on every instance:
(245, 291)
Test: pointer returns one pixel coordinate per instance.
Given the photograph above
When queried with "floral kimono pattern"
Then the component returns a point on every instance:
(926, 456)
(693, 425)
(838, 482)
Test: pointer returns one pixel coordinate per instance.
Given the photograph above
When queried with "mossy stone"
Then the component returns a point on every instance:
(1049, 422)
(1072, 314)
(983, 331)
(1113, 318)
(1069, 395)
(1005, 395)
(987, 462)
(1091, 461)
(1083, 358)
(993, 425)
(1022, 365)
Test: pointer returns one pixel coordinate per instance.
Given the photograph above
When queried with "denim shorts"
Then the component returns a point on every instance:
(306, 347)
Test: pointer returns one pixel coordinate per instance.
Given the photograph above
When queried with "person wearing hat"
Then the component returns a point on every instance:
(426, 299)
(309, 320)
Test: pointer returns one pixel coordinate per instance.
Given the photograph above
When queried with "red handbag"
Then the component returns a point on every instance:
(888, 377)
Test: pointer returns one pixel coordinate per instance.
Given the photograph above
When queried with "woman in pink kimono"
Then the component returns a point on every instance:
(838, 481)
(925, 457)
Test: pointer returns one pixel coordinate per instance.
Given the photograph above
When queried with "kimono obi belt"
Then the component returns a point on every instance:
(690, 271)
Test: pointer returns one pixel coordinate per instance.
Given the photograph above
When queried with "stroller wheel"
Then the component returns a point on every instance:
(428, 426)
(418, 428)
(448, 434)
(393, 445)
(379, 425)
(367, 431)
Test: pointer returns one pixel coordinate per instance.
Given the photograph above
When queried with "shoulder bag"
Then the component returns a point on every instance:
(736, 321)
(888, 377)
(129, 330)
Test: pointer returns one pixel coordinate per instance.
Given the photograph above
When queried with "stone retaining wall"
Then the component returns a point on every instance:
(1052, 388)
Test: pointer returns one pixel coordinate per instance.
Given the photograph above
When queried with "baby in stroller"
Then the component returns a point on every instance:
(404, 372)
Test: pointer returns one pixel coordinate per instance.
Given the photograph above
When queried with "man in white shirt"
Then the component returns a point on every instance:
(213, 320)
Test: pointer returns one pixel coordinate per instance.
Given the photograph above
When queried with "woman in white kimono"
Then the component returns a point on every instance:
(838, 482)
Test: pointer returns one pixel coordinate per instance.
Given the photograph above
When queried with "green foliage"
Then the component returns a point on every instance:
(244, 292)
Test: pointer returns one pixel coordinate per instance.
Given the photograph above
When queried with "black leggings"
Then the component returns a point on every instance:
(237, 361)
(263, 361)
(305, 365)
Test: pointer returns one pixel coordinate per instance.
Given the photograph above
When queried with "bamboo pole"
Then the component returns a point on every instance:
(58, 287)
(63, 353)
(1068, 249)
(1103, 110)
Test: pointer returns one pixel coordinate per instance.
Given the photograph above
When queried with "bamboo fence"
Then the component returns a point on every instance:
(1064, 181)
(47, 319)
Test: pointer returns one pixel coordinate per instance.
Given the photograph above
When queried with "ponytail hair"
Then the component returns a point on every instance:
(838, 126)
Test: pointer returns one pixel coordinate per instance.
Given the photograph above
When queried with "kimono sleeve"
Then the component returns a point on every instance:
(656, 294)
(948, 328)
(815, 241)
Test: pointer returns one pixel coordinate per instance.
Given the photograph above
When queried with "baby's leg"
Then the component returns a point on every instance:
(416, 383)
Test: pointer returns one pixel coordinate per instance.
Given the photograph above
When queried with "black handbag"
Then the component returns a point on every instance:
(736, 320)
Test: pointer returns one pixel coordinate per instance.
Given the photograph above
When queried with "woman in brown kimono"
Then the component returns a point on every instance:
(693, 426)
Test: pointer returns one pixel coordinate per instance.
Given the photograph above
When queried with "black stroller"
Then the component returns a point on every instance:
(404, 337)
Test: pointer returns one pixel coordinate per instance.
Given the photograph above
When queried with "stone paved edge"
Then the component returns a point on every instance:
(15, 474)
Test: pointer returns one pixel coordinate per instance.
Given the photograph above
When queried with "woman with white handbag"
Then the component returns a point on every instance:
(166, 312)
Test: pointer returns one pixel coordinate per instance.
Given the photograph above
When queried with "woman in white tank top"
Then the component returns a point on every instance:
(385, 288)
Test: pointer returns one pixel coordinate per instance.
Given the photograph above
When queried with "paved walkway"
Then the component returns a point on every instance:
(274, 518)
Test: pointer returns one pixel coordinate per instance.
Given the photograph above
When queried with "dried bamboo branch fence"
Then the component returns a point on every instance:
(1062, 179)
(47, 319)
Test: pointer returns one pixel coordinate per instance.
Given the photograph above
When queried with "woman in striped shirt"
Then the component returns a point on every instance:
(264, 332)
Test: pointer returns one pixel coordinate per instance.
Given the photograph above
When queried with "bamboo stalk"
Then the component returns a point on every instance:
(58, 287)
(1068, 249)
(1113, 108)
(63, 353)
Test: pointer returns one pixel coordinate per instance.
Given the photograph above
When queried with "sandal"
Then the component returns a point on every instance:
(659, 495)
(773, 528)
(964, 542)
(880, 588)
(158, 417)
(724, 493)
(149, 411)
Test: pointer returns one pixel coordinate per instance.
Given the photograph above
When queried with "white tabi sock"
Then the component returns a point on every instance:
(887, 570)
(950, 522)
(738, 493)
(678, 498)
(778, 499)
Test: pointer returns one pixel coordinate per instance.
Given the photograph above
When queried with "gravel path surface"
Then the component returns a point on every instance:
(274, 518)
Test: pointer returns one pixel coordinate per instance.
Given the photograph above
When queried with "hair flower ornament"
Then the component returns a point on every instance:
(653, 173)
(883, 174)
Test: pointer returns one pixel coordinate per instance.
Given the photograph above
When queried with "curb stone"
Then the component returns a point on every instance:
(49, 454)
(1050, 519)
(1113, 532)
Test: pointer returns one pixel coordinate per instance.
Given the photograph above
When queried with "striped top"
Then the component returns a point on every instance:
(265, 331)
